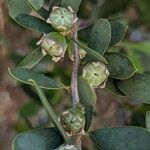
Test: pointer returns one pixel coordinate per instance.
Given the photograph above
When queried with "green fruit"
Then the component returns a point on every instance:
(52, 46)
(61, 19)
(73, 119)
(96, 73)
(67, 147)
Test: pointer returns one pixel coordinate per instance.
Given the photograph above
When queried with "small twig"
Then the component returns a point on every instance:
(74, 77)
(49, 110)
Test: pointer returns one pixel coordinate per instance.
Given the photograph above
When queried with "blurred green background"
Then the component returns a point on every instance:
(20, 108)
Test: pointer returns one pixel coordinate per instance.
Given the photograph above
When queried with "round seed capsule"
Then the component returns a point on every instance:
(51, 46)
(96, 73)
(73, 119)
(62, 19)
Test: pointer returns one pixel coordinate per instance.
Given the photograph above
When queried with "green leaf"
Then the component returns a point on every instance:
(100, 36)
(120, 66)
(136, 87)
(33, 23)
(32, 59)
(86, 93)
(38, 139)
(88, 117)
(17, 7)
(36, 4)
(121, 138)
(96, 55)
(23, 75)
(73, 4)
(118, 31)
(148, 120)
(111, 87)
(88, 99)
(43, 13)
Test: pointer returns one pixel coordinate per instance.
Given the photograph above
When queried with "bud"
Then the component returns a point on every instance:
(52, 45)
(62, 19)
(73, 120)
(96, 73)
(67, 147)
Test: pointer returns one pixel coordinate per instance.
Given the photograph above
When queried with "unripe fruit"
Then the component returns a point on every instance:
(67, 147)
(52, 45)
(96, 73)
(62, 19)
(73, 120)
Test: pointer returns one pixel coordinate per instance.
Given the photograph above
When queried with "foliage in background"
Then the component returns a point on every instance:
(127, 77)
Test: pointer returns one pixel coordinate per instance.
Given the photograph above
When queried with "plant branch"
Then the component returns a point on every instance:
(49, 110)
(74, 77)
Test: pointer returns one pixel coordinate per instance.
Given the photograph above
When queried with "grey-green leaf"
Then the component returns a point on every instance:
(38, 139)
(36, 4)
(118, 31)
(120, 66)
(88, 99)
(33, 23)
(17, 7)
(88, 117)
(121, 138)
(111, 87)
(97, 56)
(23, 75)
(148, 120)
(137, 87)
(100, 36)
(86, 93)
(32, 59)
(74, 4)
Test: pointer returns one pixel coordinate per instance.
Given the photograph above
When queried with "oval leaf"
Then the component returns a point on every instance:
(17, 7)
(88, 99)
(88, 117)
(111, 87)
(86, 93)
(148, 120)
(38, 139)
(136, 87)
(118, 31)
(120, 66)
(121, 138)
(36, 4)
(97, 56)
(100, 36)
(23, 75)
(33, 23)
(73, 4)
(32, 59)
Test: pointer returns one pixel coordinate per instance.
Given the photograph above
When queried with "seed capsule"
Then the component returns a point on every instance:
(73, 120)
(53, 44)
(62, 19)
(96, 73)
(67, 147)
